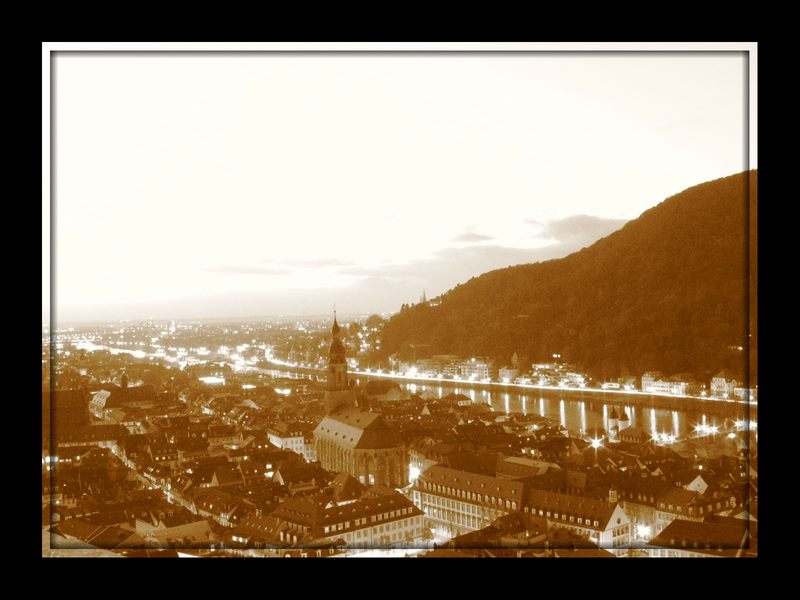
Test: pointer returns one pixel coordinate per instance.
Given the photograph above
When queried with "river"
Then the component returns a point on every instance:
(577, 414)
(583, 415)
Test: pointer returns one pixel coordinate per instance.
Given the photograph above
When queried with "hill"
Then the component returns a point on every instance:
(666, 292)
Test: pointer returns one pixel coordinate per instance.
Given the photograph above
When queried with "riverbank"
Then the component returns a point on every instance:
(611, 397)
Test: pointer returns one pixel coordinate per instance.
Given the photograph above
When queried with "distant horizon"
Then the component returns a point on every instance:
(349, 314)
(225, 319)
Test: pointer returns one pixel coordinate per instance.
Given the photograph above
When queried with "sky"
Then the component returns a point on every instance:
(233, 185)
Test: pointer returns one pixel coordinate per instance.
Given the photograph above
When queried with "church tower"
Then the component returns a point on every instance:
(338, 393)
(337, 365)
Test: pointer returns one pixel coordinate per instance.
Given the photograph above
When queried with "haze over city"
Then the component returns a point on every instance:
(227, 185)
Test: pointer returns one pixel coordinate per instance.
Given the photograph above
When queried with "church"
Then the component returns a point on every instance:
(352, 439)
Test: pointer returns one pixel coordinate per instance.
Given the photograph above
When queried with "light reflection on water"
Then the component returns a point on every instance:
(577, 415)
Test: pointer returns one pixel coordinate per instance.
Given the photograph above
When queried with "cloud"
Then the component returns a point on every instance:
(471, 236)
(583, 227)
(379, 287)
(452, 265)
(246, 270)
(314, 263)
(576, 231)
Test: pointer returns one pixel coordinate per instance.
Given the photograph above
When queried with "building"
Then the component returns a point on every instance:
(723, 538)
(604, 522)
(681, 504)
(518, 467)
(293, 436)
(477, 368)
(173, 528)
(633, 435)
(213, 503)
(639, 497)
(379, 518)
(224, 435)
(353, 439)
(70, 409)
(649, 378)
(302, 478)
(661, 385)
(746, 394)
(723, 385)
(457, 502)
(508, 374)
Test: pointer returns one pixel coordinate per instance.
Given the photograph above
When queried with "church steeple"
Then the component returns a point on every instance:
(337, 364)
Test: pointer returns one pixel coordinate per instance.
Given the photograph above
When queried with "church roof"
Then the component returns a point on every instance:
(352, 427)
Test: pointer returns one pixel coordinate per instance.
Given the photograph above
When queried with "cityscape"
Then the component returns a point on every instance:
(311, 453)
(319, 379)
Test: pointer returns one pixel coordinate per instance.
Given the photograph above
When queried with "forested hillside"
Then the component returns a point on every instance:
(665, 292)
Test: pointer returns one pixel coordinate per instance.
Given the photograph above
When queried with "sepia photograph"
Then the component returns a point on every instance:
(399, 300)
